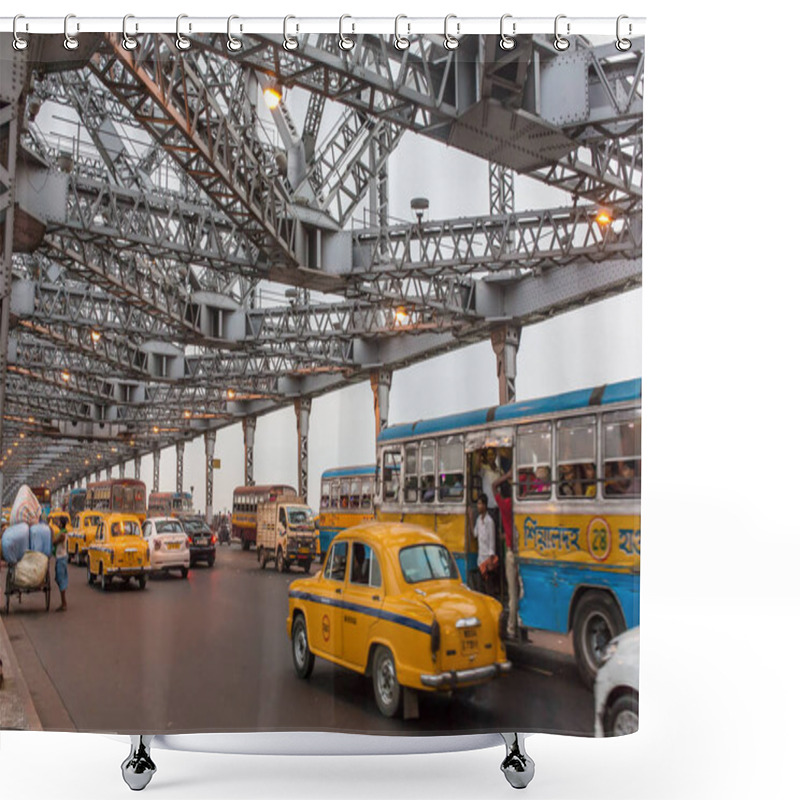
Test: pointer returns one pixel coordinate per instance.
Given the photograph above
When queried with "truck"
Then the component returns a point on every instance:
(285, 533)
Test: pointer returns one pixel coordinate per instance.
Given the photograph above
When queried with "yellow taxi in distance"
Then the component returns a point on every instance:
(81, 534)
(55, 519)
(118, 551)
(389, 602)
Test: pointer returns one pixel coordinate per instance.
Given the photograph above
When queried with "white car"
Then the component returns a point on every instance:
(168, 544)
(616, 687)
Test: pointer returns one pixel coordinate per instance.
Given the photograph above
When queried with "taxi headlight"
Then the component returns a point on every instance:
(436, 637)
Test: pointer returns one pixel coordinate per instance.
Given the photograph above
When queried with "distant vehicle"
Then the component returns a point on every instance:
(286, 533)
(81, 534)
(167, 544)
(390, 604)
(202, 541)
(118, 551)
(245, 506)
(616, 688)
(346, 499)
(58, 518)
(118, 496)
(76, 502)
(169, 504)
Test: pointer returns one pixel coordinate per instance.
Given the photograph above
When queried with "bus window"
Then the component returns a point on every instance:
(577, 440)
(427, 476)
(411, 475)
(534, 455)
(391, 475)
(325, 498)
(451, 470)
(344, 494)
(355, 493)
(366, 493)
(622, 453)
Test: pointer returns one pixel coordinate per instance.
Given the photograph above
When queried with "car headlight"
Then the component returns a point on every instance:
(608, 652)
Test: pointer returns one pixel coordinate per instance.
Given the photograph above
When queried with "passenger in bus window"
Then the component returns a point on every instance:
(624, 479)
(568, 484)
(589, 481)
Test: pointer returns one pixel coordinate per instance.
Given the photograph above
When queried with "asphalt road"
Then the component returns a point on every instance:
(210, 653)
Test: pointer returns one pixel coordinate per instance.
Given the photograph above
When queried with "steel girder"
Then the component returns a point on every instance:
(418, 89)
(196, 106)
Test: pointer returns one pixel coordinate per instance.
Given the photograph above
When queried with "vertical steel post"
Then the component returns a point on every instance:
(97, 476)
(137, 467)
(249, 428)
(108, 473)
(210, 439)
(179, 448)
(156, 468)
(505, 343)
(381, 382)
(302, 410)
(501, 203)
(122, 469)
(12, 81)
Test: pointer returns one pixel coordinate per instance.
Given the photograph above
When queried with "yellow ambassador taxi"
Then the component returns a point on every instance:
(118, 551)
(389, 602)
(81, 534)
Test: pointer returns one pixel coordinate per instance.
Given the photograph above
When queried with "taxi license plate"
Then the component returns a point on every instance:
(469, 641)
(173, 546)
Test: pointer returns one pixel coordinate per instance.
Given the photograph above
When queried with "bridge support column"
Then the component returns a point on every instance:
(122, 469)
(156, 468)
(302, 410)
(108, 473)
(210, 439)
(179, 448)
(505, 343)
(137, 467)
(97, 476)
(249, 429)
(381, 382)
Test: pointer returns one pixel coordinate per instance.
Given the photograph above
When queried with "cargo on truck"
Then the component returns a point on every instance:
(285, 533)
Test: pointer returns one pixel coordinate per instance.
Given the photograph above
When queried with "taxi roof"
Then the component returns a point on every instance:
(118, 517)
(390, 534)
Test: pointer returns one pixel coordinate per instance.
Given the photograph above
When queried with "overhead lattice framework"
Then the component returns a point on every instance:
(140, 315)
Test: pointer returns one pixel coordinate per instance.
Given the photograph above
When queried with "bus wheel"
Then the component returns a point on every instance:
(597, 622)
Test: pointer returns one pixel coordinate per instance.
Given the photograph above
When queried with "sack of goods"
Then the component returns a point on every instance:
(26, 507)
(16, 540)
(31, 571)
(41, 539)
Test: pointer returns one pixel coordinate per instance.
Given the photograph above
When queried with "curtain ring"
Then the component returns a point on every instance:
(19, 42)
(401, 42)
(622, 44)
(345, 42)
(70, 42)
(507, 42)
(560, 43)
(234, 44)
(128, 42)
(181, 42)
(450, 41)
(289, 42)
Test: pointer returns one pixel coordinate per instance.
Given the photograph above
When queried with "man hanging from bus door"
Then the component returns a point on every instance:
(501, 488)
(488, 562)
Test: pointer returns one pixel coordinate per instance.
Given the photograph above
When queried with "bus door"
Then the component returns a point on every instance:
(488, 453)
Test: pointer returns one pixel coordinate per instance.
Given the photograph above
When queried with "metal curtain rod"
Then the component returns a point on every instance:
(186, 24)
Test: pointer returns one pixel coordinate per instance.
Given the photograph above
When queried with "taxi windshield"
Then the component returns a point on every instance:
(427, 562)
(127, 528)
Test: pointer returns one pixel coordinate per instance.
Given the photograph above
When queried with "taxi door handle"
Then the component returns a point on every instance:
(376, 597)
(338, 591)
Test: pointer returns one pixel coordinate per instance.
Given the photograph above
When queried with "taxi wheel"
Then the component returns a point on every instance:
(302, 656)
(105, 581)
(142, 579)
(89, 576)
(388, 692)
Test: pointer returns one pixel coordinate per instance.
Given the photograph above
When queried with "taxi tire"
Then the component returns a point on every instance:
(304, 659)
(184, 572)
(89, 574)
(142, 579)
(596, 611)
(105, 581)
(388, 692)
